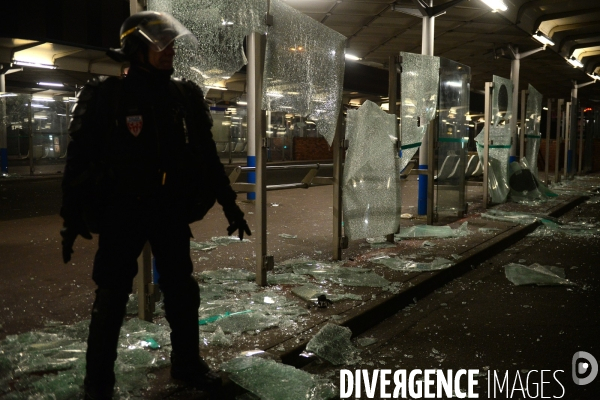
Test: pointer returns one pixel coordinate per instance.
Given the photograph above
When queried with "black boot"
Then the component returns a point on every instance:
(181, 304)
(107, 316)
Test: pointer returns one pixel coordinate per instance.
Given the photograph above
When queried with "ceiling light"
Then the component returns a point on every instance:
(40, 117)
(594, 76)
(351, 57)
(8, 95)
(543, 39)
(575, 62)
(39, 106)
(216, 87)
(34, 65)
(42, 98)
(495, 5)
(50, 84)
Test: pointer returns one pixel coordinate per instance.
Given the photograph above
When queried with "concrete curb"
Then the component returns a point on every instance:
(362, 318)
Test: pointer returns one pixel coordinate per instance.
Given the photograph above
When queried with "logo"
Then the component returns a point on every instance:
(585, 368)
(134, 124)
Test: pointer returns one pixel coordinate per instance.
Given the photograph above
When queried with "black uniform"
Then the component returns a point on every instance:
(141, 166)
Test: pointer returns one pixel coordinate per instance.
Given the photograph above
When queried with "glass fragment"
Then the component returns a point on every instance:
(536, 274)
(332, 343)
(271, 380)
(401, 264)
(419, 231)
(371, 190)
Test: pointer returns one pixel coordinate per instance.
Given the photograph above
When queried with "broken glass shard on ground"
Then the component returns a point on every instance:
(51, 363)
(249, 312)
(576, 229)
(371, 189)
(401, 264)
(310, 292)
(348, 276)
(203, 246)
(366, 341)
(332, 343)
(287, 236)
(271, 380)
(227, 274)
(285, 279)
(518, 217)
(536, 274)
(433, 231)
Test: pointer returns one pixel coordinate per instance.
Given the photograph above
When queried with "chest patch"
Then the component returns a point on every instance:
(134, 124)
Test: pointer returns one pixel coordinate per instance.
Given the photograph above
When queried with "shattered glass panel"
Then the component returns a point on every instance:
(453, 136)
(532, 127)
(371, 190)
(400, 264)
(332, 343)
(500, 140)
(419, 94)
(271, 380)
(536, 274)
(304, 68)
(418, 231)
(220, 27)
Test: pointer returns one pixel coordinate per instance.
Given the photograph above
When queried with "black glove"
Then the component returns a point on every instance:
(69, 233)
(235, 216)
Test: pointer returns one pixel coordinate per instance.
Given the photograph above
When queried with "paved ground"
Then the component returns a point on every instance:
(38, 288)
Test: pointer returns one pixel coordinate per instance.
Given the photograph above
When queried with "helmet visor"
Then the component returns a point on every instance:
(160, 32)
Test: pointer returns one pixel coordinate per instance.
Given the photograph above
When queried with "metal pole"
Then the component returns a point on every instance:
(580, 141)
(144, 282)
(567, 140)
(548, 127)
(486, 139)
(3, 123)
(515, 67)
(426, 49)
(31, 166)
(256, 131)
(559, 118)
(432, 128)
(523, 124)
(338, 157)
(392, 91)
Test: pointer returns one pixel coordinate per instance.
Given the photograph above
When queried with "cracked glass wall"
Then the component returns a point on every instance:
(500, 139)
(533, 136)
(304, 68)
(371, 190)
(419, 84)
(220, 27)
(453, 136)
(49, 124)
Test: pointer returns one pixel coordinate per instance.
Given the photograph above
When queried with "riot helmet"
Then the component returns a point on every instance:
(149, 30)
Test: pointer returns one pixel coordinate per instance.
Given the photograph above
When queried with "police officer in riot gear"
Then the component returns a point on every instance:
(141, 166)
